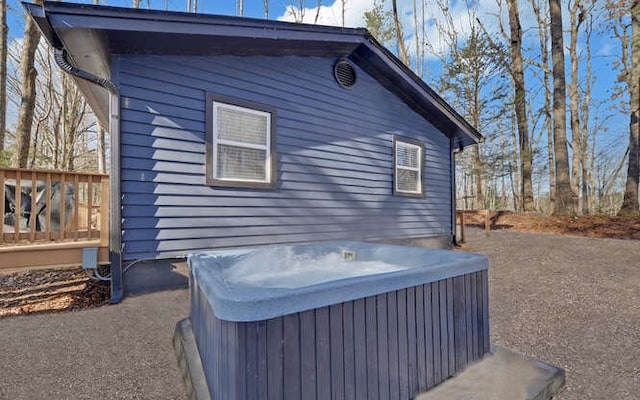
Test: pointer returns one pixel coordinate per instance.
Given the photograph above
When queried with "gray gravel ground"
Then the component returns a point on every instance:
(114, 352)
(572, 302)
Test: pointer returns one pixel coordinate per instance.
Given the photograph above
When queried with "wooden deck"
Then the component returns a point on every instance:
(48, 217)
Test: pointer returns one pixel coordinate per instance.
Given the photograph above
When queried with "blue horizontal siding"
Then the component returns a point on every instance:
(334, 158)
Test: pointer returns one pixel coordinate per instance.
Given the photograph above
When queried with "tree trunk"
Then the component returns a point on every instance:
(266, 9)
(574, 99)
(479, 178)
(565, 197)
(543, 36)
(4, 30)
(585, 159)
(402, 50)
(520, 104)
(630, 201)
(28, 88)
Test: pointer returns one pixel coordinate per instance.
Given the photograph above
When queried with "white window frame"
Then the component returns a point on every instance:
(216, 103)
(413, 144)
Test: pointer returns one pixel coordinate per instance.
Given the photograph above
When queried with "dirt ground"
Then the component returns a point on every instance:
(583, 225)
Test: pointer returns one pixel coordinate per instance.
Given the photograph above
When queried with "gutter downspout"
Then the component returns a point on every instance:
(115, 240)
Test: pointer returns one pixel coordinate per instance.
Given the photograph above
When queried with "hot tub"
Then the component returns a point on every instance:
(336, 320)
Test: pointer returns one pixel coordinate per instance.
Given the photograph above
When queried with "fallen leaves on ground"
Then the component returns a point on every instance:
(584, 225)
(49, 290)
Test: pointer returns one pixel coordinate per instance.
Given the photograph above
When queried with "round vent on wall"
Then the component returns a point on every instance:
(345, 74)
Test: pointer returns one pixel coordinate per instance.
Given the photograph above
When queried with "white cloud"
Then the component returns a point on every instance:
(332, 14)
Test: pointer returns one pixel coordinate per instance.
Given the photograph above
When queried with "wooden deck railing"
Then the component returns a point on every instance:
(39, 206)
(461, 216)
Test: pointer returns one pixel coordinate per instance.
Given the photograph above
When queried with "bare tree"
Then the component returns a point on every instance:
(630, 203)
(28, 92)
(296, 10)
(565, 196)
(520, 105)
(543, 38)
(577, 14)
(402, 48)
(240, 7)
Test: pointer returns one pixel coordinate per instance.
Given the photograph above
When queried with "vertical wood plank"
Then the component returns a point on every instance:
(474, 317)
(292, 353)
(403, 356)
(360, 348)
(349, 352)
(89, 205)
(460, 323)
(18, 205)
(323, 354)
(104, 211)
(263, 391)
(275, 358)
(48, 207)
(371, 348)
(337, 351)
(308, 347)
(251, 360)
(383, 347)
(392, 337)
(468, 313)
(63, 200)
(34, 207)
(451, 327)
(435, 313)
(479, 314)
(428, 335)
(412, 344)
(444, 335)
(230, 360)
(421, 349)
(76, 205)
(485, 310)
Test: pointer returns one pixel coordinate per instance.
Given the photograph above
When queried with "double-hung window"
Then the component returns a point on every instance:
(241, 144)
(408, 163)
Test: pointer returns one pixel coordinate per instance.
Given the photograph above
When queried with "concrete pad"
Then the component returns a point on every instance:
(502, 374)
(151, 276)
(189, 363)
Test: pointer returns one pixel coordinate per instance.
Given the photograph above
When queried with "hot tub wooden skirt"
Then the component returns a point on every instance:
(392, 345)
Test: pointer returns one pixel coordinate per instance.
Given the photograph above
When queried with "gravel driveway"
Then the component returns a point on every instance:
(572, 302)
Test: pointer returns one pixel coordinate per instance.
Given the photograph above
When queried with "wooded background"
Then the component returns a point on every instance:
(547, 143)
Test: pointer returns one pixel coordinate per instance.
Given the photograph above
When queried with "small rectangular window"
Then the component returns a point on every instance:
(241, 137)
(407, 160)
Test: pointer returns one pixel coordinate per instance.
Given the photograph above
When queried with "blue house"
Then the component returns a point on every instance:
(231, 132)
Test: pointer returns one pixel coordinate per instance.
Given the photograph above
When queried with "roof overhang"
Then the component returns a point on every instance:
(92, 34)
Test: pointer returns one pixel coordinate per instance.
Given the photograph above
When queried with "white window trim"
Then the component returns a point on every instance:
(411, 144)
(267, 148)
